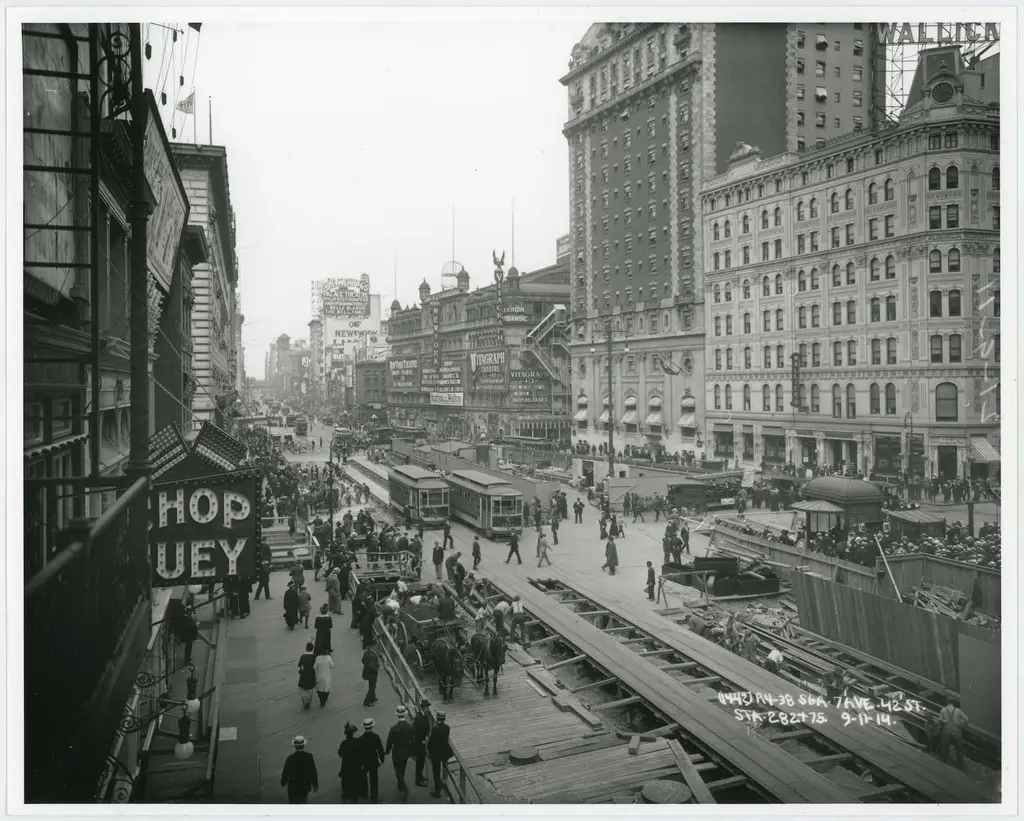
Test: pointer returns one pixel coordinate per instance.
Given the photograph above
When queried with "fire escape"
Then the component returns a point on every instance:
(548, 344)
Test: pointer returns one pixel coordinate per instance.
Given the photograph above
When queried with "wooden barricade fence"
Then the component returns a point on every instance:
(909, 637)
(911, 569)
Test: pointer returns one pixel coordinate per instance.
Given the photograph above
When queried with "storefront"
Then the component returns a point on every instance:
(840, 448)
(888, 455)
(773, 442)
(630, 420)
(984, 459)
(807, 443)
(725, 441)
(748, 443)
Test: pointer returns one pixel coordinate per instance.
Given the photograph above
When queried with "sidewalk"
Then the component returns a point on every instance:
(260, 710)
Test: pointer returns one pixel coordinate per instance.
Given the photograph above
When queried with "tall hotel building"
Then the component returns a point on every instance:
(851, 293)
(656, 110)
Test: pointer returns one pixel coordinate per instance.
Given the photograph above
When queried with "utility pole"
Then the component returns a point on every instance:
(609, 336)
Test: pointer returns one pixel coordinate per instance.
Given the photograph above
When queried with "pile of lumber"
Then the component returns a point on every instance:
(950, 602)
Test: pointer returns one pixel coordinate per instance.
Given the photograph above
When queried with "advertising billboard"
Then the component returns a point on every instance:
(205, 530)
(515, 315)
(444, 379)
(342, 297)
(403, 374)
(171, 210)
(528, 387)
(446, 400)
(487, 370)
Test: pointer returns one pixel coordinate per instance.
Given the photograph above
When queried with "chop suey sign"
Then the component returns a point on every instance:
(204, 530)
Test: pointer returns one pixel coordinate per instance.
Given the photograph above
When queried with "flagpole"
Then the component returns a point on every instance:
(211, 119)
(195, 122)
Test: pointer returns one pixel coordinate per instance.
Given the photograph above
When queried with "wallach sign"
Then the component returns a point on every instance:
(940, 34)
(204, 530)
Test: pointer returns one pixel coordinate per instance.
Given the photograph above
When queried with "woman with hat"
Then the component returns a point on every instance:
(307, 676)
(299, 774)
(352, 772)
(372, 755)
(291, 606)
(322, 666)
(323, 625)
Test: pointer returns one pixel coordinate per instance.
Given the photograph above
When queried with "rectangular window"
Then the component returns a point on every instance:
(849, 234)
(936, 349)
(820, 119)
(934, 142)
(836, 239)
(951, 140)
(858, 99)
(995, 217)
(858, 123)
(800, 65)
(819, 68)
(890, 351)
(837, 353)
(858, 73)
(778, 248)
(952, 216)
(858, 48)
(814, 241)
(890, 226)
(800, 244)
(935, 217)
(800, 92)
(746, 254)
(764, 252)
(801, 39)
(837, 313)
(816, 355)
(873, 229)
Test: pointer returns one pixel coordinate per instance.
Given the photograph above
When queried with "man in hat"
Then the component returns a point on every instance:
(371, 667)
(401, 746)
(440, 749)
(422, 725)
(299, 774)
(373, 756)
(438, 559)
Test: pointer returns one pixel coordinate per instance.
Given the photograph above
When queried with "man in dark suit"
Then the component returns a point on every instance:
(373, 756)
(299, 774)
(440, 750)
(422, 724)
(400, 745)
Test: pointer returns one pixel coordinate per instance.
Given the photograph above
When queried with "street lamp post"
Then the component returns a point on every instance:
(330, 500)
(609, 333)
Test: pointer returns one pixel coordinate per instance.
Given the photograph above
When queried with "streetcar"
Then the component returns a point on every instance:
(424, 492)
(485, 502)
(301, 426)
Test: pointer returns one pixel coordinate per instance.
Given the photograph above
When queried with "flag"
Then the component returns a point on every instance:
(188, 105)
(196, 26)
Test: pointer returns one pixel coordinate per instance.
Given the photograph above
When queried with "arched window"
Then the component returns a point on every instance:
(715, 232)
(815, 399)
(953, 261)
(947, 402)
(746, 224)
(952, 177)
(814, 279)
(718, 293)
(851, 401)
(890, 190)
(834, 204)
(875, 399)
(779, 398)
(837, 276)
(718, 397)
(766, 398)
(778, 217)
(764, 218)
(995, 178)
(800, 209)
(934, 179)
(728, 229)
(801, 280)
(778, 283)
(935, 261)
(837, 402)
(746, 397)
(766, 286)
(849, 199)
(890, 267)
(876, 269)
(746, 289)
(851, 274)
(872, 193)
(890, 399)
(814, 208)
(728, 292)
(728, 397)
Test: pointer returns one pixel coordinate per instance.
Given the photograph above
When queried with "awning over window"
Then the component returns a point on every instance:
(581, 401)
(654, 403)
(688, 420)
(630, 402)
(581, 415)
(603, 418)
(983, 452)
(654, 419)
(629, 418)
(606, 402)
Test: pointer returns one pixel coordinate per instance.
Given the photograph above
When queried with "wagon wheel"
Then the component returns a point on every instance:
(415, 659)
(400, 635)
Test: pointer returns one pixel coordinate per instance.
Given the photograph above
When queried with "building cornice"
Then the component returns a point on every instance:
(639, 30)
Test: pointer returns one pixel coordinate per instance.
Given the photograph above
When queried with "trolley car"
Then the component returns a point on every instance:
(485, 502)
(424, 492)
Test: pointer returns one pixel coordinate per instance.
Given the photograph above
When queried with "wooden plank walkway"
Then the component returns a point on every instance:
(763, 762)
(927, 775)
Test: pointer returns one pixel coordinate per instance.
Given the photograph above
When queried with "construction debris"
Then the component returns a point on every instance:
(950, 602)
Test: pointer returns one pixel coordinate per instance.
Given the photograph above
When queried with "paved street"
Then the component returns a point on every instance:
(261, 711)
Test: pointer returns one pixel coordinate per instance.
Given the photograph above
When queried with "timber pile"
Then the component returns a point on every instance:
(950, 602)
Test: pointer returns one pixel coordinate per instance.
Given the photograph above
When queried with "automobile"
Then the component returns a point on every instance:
(328, 421)
(287, 555)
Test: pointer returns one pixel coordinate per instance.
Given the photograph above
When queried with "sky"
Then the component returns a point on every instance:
(348, 145)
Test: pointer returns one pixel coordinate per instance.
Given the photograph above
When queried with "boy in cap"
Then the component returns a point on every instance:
(299, 774)
(373, 755)
(400, 745)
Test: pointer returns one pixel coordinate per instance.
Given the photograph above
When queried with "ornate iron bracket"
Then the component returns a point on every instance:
(146, 680)
(115, 48)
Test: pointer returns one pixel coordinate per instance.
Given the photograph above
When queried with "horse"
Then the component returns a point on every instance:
(488, 654)
(448, 663)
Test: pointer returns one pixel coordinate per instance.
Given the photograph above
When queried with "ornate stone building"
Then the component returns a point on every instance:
(851, 294)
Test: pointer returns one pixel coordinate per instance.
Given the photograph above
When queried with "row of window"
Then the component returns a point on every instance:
(820, 69)
(947, 401)
(802, 314)
(814, 351)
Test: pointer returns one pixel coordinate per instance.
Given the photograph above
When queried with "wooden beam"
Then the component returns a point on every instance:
(664, 652)
(791, 734)
(882, 792)
(564, 662)
(573, 601)
(690, 775)
(611, 705)
(704, 680)
(637, 641)
(617, 629)
(589, 613)
(545, 640)
(603, 682)
(634, 746)
(727, 783)
(654, 735)
(680, 665)
(827, 759)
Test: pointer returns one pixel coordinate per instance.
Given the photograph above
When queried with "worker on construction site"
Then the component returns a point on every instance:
(749, 644)
(952, 722)
(773, 664)
(834, 683)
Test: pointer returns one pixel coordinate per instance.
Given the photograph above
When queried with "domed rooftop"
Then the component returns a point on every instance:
(424, 287)
(513, 272)
(396, 305)
(843, 491)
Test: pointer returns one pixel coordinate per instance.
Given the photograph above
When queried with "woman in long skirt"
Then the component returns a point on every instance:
(323, 625)
(322, 666)
(307, 676)
(353, 773)
(291, 606)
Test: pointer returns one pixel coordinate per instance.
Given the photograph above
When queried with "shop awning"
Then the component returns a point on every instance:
(654, 403)
(629, 418)
(581, 416)
(630, 402)
(982, 451)
(581, 401)
(603, 418)
(722, 427)
(916, 517)
(688, 420)
(654, 419)
(816, 506)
